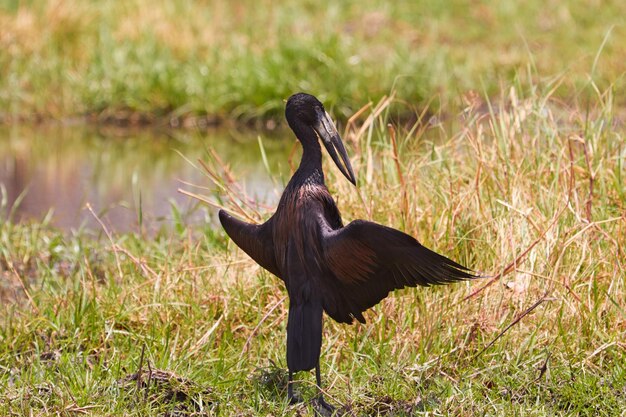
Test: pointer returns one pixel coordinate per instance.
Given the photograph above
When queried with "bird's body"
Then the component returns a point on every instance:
(293, 234)
(324, 265)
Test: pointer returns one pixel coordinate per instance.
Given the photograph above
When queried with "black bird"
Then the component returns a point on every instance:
(326, 266)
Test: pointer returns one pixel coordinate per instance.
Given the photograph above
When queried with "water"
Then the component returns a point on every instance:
(128, 177)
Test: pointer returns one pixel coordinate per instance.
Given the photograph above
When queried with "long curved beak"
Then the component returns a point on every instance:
(327, 132)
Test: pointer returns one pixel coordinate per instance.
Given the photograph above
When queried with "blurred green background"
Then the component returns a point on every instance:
(141, 60)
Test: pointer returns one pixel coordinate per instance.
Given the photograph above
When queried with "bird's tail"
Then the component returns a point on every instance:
(304, 335)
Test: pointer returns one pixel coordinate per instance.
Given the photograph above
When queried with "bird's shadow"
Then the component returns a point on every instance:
(272, 381)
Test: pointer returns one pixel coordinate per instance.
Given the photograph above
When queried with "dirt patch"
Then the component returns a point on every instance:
(383, 406)
(184, 396)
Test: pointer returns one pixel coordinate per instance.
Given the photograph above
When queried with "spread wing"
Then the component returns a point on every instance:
(254, 239)
(369, 260)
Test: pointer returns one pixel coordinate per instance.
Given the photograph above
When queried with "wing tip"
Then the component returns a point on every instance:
(458, 272)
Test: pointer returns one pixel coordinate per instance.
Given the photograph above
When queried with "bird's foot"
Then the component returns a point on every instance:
(294, 399)
(322, 408)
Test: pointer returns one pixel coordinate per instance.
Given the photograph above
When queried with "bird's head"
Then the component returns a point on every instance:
(304, 110)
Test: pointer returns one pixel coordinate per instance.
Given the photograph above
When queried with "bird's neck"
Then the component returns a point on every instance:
(310, 169)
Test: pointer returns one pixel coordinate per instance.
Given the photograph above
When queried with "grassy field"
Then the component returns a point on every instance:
(516, 167)
(143, 61)
(531, 191)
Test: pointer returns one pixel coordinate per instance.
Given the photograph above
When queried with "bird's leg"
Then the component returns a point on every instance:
(327, 408)
(292, 398)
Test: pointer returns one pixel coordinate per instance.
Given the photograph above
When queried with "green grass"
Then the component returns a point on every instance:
(145, 61)
(531, 191)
